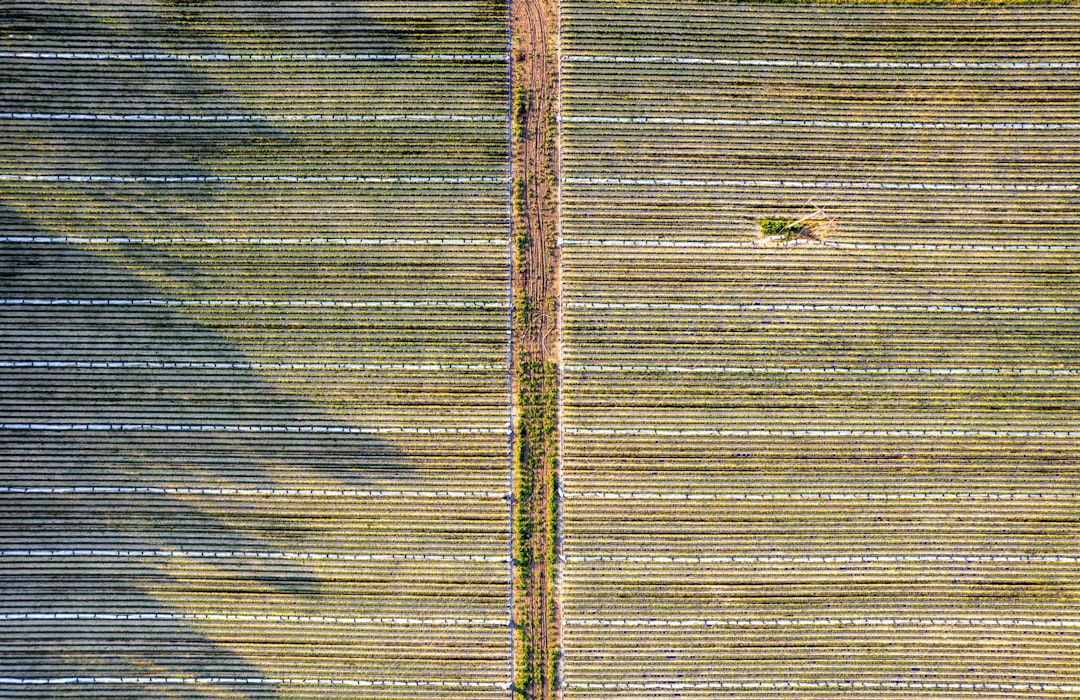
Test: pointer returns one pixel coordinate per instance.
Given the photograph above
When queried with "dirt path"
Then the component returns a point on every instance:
(535, 171)
(536, 165)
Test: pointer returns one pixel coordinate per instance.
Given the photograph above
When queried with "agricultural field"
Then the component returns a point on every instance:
(254, 342)
(735, 356)
(847, 466)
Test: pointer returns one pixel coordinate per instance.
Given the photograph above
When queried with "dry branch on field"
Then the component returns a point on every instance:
(815, 228)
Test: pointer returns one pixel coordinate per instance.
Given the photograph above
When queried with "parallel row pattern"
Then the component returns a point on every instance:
(842, 470)
(254, 311)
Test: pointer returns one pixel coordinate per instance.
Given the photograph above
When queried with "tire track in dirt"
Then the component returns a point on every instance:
(535, 174)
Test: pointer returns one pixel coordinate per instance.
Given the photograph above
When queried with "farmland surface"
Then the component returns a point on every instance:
(826, 470)
(254, 399)
(256, 266)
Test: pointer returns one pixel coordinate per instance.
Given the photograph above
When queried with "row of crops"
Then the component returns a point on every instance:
(254, 310)
(840, 468)
(876, 112)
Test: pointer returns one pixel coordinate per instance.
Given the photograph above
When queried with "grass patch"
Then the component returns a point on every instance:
(521, 107)
(535, 526)
(784, 229)
(817, 227)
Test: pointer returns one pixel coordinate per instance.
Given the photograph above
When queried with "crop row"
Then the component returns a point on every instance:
(254, 437)
(845, 479)
(425, 27)
(466, 527)
(292, 86)
(254, 460)
(818, 470)
(664, 401)
(916, 100)
(733, 342)
(869, 210)
(368, 273)
(929, 140)
(822, 286)
(707, 154)
(837, 31)
(441, 152)
(218, 210)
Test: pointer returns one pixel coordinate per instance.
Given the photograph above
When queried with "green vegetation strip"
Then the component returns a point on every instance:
(535, 526)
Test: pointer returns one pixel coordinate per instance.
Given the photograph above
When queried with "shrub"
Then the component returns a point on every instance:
(783, 228)
(520, 108)
(519, 198)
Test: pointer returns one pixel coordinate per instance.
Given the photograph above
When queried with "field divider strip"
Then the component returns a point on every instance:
(228, 428)
(220, 240)
(268, 303)
(229, 680)
(853, 371)
(343, 117)
(249, 554)
(829, 559)
(559, 691)
(266, 366)
(856, 308)
(231, 617)
(205, 179)
(823, 685)
(219, 491)
(813, 432)
(511, 408)
(799, 63)
(838, 185)
(810, 496)
(826, 123)
(826, 622)
(973, 247)
(254, 57)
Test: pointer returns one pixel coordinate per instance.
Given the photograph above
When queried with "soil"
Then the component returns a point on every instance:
(534, 24)
(535, 163)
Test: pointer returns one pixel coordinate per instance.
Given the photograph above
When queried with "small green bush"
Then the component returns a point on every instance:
(519, 198)
(520, 108)
(782, 228)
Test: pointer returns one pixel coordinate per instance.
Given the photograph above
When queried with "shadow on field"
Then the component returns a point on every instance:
(129, 511)
(221, 390)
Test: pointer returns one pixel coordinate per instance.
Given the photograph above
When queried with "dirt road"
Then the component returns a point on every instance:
(535, 171)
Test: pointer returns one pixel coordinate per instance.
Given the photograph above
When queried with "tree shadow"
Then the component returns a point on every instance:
(154, 490)
(167, 368)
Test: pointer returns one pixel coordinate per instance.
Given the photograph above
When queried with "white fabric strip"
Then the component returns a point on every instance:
(195, 554)
(228, 680)
(223, 428)
(780, 432)
(258, 366)
(267, 303)
(824, 685)
(837, 185)
(396, 304)
(798, 63)
(827, 622)
(245, 492)
(830, 560)
(61, 116)
(283, 241)
(255, 57)
(972, 247)
(826, 123)
(794, 496)
(832, 308)
(202, 179)
(854, 371)
(219, 617)
(820, 685)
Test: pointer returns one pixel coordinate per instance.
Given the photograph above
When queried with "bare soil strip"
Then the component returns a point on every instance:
(535, 172)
